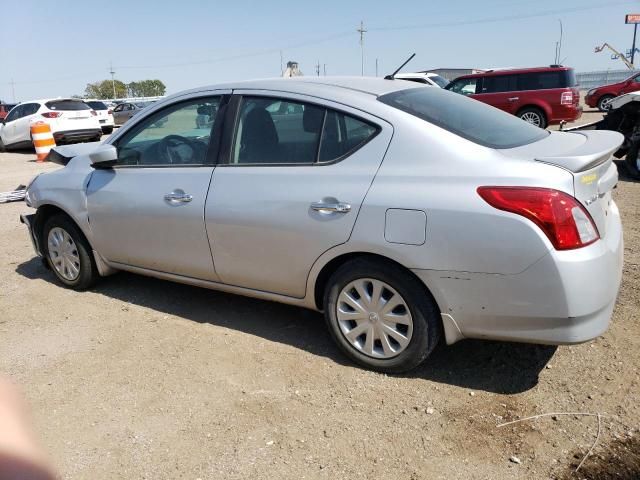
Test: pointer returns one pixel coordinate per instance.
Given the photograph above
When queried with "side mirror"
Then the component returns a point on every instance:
(104, 156)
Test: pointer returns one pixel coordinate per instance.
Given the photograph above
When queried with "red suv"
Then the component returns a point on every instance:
(601, 96)
(541, 96)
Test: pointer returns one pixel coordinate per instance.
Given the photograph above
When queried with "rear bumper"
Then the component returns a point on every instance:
(564, 298)
(568, 113)
(68, 136)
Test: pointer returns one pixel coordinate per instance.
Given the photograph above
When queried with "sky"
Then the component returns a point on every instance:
(54, 48)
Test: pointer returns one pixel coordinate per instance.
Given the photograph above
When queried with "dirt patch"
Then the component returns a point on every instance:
(619, 460)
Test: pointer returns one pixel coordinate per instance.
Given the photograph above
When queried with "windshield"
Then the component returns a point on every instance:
(468, 118)
(442, 82)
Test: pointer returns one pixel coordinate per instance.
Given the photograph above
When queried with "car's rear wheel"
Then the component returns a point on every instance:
(632, 160)
(381, 316)
(604, 104)
(534, 116)
(68, 253)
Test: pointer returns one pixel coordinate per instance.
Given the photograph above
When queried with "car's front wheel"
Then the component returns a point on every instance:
(604, 104)
(381, 316)
(68, 253)
(534, 116)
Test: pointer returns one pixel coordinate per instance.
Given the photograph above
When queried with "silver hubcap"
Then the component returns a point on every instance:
(532, 118)
(374, 318)
(63, 253)
(605, 104)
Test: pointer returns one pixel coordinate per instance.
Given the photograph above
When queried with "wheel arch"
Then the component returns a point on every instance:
(330, 267)
(46, 211)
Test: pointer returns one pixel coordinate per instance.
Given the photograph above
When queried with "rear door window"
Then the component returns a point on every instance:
(290, 132)
(498, 84)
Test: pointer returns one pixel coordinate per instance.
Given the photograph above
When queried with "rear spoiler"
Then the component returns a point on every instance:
(598, 147)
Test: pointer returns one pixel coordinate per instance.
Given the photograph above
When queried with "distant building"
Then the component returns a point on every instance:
(292, 70)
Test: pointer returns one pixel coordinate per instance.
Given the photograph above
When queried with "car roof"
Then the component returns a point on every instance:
(59, 99)
(370, 86)
(505, 71)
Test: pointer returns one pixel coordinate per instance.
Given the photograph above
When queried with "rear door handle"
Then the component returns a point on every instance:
(513, 99)
(338, 207)
(178, 197)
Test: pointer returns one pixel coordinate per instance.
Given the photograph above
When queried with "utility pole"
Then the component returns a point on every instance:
(361, 31)
(633, 48)
(281, 64)
(376, 67)
(324, 68)
(113, 82)
(318, 69)
(559, 45)
(13, 90)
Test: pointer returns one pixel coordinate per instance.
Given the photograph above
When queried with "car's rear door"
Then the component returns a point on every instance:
(294, 176)
(148, 210)
(501, 92)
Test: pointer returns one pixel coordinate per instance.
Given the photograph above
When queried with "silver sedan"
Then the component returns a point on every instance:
(408, 215)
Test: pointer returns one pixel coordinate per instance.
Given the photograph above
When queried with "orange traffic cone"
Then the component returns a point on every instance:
(42, 139)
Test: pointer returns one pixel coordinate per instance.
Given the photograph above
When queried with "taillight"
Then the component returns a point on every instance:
(109, 112)
(560, 216)
(566, 98)
(51, 114)
(93, 112)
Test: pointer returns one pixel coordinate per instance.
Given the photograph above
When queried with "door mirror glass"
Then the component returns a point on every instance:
(104, 156)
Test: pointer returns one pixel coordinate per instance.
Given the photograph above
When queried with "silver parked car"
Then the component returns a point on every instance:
(405, 213)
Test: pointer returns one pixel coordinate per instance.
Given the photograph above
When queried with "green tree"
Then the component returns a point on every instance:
(104, 89)
(146, 88)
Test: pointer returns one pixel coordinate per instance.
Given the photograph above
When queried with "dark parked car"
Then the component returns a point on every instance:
(601, 97)
(541, 96)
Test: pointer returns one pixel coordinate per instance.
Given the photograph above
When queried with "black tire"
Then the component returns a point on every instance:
(2, 147)
(107, 130)
(529, 113)
(603, 103)
(88, 272)
(423, 309)
(631, 161)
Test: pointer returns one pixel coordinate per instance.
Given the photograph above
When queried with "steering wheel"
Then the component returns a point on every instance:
(167, 147)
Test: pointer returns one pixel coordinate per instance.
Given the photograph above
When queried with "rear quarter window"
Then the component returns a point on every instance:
(67, 105)
(97, 105)
(465, 117)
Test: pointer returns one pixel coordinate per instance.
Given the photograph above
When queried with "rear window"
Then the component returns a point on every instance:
(468, 118)
(544, 80)
(67, 105)
(97, 105)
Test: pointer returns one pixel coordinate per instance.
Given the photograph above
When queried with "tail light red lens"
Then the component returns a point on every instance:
(560, 216)
(93, 112)
(51, 114)
(566, 98)
(109, 112)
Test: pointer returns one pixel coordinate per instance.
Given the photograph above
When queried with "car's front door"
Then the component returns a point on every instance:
(120, 113)
(148, 210)
(289, 188)
(9, 127)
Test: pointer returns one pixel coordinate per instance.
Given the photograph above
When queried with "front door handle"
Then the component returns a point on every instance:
(178, 196)
(513, 99)
(337, 207)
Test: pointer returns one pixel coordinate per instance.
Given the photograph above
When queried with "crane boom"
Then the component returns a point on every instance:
(617, 53)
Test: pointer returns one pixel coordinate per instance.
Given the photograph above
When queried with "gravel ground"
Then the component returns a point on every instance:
(142, 378)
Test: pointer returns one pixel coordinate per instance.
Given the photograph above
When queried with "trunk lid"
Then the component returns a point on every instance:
(587, 155)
